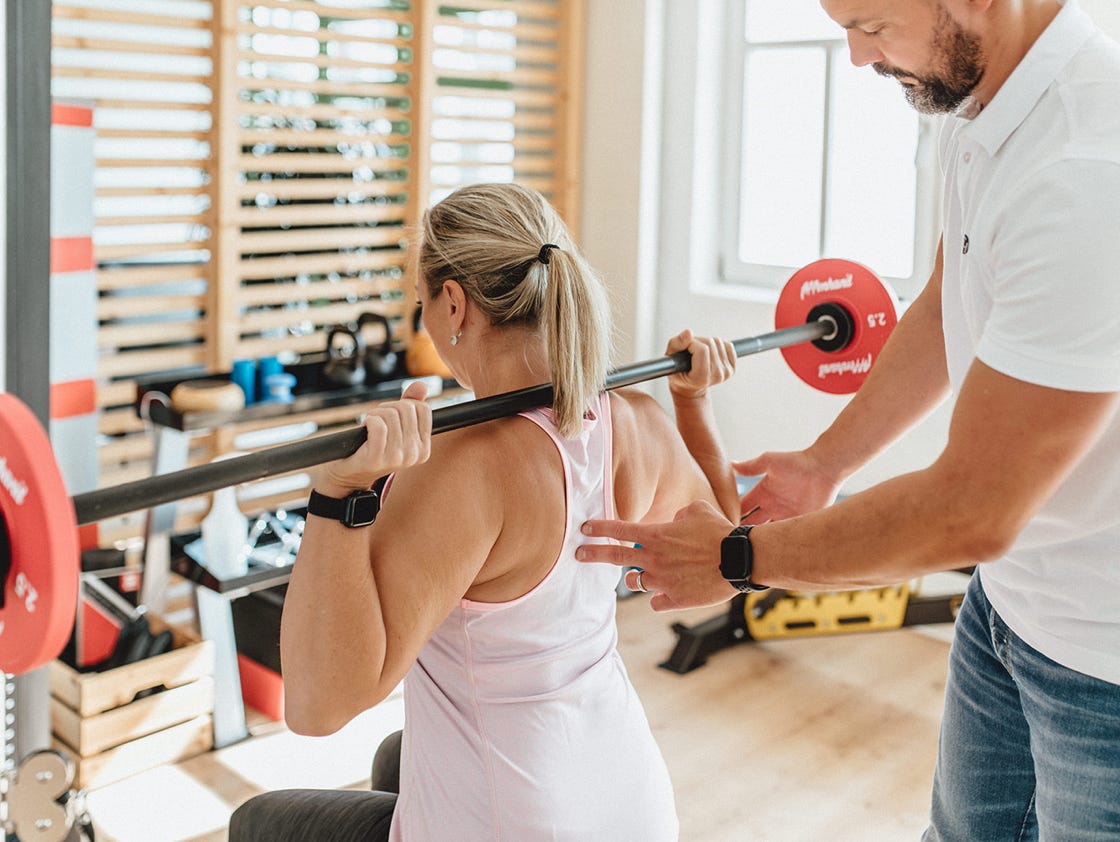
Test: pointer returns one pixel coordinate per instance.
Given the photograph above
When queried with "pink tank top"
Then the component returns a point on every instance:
(521, 723)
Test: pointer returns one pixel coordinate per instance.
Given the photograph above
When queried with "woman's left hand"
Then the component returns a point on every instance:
(398, 435)
(713, 361)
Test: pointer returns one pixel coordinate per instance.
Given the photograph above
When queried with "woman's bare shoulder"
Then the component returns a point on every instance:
(636, 414)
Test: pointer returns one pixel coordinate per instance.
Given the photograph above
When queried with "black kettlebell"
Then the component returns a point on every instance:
(380, 361)
(345, 350)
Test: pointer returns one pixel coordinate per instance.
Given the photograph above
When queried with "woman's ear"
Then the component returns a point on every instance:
(457, 303)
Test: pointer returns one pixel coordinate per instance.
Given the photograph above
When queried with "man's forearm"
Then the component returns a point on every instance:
(908, 381)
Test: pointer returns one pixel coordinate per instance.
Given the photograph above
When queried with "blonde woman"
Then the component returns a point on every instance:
(521, 722)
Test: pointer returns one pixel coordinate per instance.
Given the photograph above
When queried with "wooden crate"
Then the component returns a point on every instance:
(110, 734)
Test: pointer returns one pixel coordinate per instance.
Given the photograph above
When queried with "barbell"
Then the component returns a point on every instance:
(832, 319)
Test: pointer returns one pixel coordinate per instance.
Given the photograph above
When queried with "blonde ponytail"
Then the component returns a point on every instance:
(577, 335)
(491, 238)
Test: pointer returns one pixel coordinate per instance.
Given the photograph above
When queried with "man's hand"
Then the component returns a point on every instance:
(792, 484)
(680, 559)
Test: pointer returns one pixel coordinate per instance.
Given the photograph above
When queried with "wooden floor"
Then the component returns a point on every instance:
(827, 738)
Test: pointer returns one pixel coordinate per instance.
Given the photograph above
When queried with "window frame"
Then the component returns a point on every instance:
(733, 271)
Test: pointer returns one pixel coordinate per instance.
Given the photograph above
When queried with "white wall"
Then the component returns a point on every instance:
(630, 65)
(620, 167)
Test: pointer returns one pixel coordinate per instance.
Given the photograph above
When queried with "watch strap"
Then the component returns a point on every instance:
(358, 508)
(744, 584)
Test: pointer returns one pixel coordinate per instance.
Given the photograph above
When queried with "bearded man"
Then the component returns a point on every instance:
(1019, 325)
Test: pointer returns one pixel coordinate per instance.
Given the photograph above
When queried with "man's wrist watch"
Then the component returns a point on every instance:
(736, 560)
(358, 508)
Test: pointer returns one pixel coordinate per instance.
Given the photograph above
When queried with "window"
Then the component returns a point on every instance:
(823, 159)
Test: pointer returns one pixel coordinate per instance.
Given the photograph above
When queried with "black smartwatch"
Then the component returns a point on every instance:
(736, 560)
(358, 508)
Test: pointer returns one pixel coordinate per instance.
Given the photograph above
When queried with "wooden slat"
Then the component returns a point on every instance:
(312, 239)
(116, 393)
(256, 348)
(155, 219)
(323, 36)
(528, 31)
(344, 264)
(521, 76)
(319, 162)
(527, 8)
(123, 252)
(143, 276)
(322, 111)
(60, 10)
(518, 96)
(202, 164)
(125, 449)
(324, 215)
(154, 134)
(326, 189)
(104, 45)
(521, 53)
(222, 321)
(112, 192)
(112, 422)
(322, 61)
(137, 75)
(318, 137)
(115, 104)
(261, 295)
(155, 333)
(327, 11)
(123, 307)
(326, 87)
(133, 363)
(261, 320)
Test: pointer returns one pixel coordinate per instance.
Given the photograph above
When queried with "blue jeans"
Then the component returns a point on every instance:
(1029, 749)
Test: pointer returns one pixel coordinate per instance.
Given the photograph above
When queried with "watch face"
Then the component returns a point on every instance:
(735, 557)
(362, 509)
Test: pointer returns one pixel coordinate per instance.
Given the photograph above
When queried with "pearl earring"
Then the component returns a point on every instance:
(455, 337)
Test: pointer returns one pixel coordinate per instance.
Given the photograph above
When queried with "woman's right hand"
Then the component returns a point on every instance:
(398, 434)
(792, 483)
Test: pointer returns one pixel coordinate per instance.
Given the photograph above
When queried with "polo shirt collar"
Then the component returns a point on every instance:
(1018, 96)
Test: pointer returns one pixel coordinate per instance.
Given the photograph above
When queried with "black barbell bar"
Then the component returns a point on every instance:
(93, 506)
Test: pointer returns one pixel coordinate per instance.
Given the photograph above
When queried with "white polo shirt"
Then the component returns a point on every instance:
(1031, 287)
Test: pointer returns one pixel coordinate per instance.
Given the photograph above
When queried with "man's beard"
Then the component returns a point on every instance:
(960, 61)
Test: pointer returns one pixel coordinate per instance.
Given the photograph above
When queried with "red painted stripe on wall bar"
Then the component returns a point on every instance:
(88, 536)
(71, 254)
(71, 115)
(68, 400)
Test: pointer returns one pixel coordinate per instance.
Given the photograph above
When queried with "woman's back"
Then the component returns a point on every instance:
(521, 721)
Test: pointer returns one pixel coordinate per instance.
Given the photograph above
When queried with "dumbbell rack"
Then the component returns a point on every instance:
(778, 614)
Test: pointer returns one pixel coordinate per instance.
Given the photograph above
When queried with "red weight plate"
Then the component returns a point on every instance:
(41, 592)
(870, 303)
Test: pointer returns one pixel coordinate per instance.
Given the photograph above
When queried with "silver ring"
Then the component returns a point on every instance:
(638, 586)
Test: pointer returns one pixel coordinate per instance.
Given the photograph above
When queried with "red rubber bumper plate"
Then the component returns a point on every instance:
(871, 306)
(44, 557)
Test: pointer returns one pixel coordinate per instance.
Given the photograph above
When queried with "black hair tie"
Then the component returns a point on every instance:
(542, 255)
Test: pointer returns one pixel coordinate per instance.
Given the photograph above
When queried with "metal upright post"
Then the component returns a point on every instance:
(27, 112)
